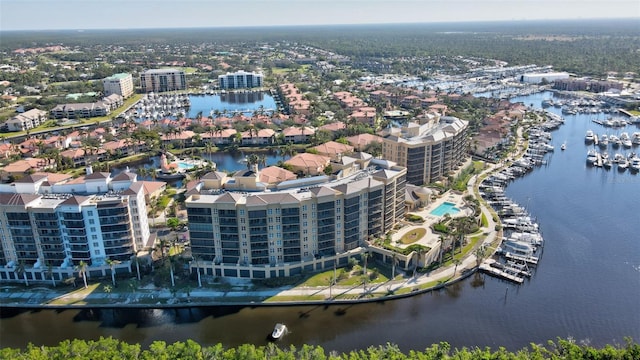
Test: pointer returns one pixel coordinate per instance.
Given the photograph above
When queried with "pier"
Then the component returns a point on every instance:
(499, 273)
(532, 260)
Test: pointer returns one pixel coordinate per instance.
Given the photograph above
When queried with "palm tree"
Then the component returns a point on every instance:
(21, 270)
(365, 257)
(456, 262)
(394, 261)
(480, 254)
(136, 261)
(112, 264)
(50, 273)
(82, 271)
(252, 159)
(197, 260)
(172, 260)
(441, 240)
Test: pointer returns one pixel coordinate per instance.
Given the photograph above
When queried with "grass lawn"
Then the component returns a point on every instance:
(413, 236)
(345, 277)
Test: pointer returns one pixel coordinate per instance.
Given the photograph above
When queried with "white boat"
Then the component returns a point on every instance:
(589, 137)
(635, 138)
(625, 139)
(592, 157)
(614, 140)
(604, 140)
(635, 164)
(618, 157)
(278, 331)
(563, 146)
(517, 248)
(623, 165)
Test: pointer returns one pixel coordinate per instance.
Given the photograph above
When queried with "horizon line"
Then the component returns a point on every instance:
(329, 25)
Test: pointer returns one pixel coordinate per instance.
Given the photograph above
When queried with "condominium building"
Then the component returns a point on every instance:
(161, 80)
(41, 228)
(120, 84)
(429, 151)
(240, 80)
(306, 224)
(27, 120)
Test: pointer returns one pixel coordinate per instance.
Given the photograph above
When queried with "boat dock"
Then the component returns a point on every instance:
(487, 268)
(532, 260)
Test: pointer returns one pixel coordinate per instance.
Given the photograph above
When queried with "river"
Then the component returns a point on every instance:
(586, 286)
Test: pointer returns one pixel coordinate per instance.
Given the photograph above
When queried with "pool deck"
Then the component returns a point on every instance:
(430, 239)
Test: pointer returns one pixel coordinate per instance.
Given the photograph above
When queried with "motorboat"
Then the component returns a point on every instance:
(278, 331)
(635, 164)
(563, 146)
(623, 165)
(635, 138)
(604, 141)
(592, 157)
(614, 140)
(589, 137)
(625, 139)
(517, 248)
(607, 164)
(617, 158)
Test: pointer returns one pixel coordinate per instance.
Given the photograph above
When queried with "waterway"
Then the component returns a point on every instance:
(586, 286)
(245, 102)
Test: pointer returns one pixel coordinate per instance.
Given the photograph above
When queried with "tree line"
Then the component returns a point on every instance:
(110, 348)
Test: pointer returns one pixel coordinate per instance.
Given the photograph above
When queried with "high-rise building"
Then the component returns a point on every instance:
(120, 84)
(301, 225)
(429, 151)
(240, 80)
(41, 228)
(161, 80)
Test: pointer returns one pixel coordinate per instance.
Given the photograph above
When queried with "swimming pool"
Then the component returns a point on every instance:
(445, 208)
(185, 165)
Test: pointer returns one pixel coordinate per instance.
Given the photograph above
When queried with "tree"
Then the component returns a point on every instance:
(173, 223)
(21, 270)
(112, 264)
(441, 240)
(172, 261)
(365, 258)
(197, 260)
(394, 262)
(50, 273)
(480, 253)
(107, 289)
(136, 261)
(82, 271)
(456, 262)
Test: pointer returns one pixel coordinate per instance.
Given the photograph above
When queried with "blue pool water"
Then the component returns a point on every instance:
(445, 208)
(184, 165)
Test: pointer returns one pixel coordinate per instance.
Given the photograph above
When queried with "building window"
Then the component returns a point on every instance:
(94, 237)
(92, 221)
(270, 211)
(241, 212)
(90, 213)
(95, 244)
(96, 252)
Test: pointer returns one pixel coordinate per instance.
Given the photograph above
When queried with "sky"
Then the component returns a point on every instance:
(130, 14)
